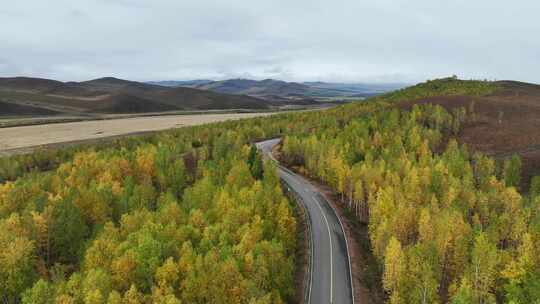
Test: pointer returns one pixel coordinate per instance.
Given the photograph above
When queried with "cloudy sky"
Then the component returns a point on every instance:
(339, 40)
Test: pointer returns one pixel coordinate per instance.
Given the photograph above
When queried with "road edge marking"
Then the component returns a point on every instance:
(308, 218)
(287, 171)
(346, 244)
(331, 251)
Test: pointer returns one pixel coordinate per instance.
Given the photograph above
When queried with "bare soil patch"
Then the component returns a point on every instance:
(507, 122)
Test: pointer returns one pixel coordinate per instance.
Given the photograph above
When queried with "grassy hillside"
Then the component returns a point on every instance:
(442, 87)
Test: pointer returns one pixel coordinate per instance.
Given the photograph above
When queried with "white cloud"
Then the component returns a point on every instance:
(348, 40)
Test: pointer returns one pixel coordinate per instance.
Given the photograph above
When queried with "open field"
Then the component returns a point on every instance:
(19, 121)
(12, 140)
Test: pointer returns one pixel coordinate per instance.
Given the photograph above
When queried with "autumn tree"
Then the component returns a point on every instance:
(17, 262)
(484, 263)
(394, 269)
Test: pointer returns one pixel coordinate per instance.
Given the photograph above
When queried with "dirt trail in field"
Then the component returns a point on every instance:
(30, 136)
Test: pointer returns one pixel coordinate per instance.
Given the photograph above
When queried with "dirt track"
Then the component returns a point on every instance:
(29, 136)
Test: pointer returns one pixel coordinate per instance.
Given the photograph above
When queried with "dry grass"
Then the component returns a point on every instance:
(30, 136)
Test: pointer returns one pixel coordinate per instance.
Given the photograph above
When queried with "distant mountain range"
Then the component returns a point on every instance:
(109, 95)
(178, 83)
(272, 89)
(359, 89)
(36, 96)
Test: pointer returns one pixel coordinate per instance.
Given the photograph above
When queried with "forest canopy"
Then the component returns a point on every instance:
(193, 216)
(445, 224)
(188, 216)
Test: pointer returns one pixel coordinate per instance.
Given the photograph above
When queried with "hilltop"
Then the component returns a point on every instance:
(504, 120)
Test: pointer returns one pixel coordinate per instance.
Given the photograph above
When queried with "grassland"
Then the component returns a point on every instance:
(19, 139)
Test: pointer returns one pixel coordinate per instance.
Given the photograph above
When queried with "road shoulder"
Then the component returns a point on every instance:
(366, 274)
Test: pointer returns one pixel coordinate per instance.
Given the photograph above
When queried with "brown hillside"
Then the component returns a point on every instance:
(10, 109)
(507, 121)
(124, 103)
(29, 84)
(114, 96)
(198, 99)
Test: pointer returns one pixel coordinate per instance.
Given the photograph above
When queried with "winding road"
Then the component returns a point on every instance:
(330, 276)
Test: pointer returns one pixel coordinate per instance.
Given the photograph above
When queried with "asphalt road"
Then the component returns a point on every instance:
(330, 273)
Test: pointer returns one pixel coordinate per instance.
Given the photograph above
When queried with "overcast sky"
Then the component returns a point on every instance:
(339, 40)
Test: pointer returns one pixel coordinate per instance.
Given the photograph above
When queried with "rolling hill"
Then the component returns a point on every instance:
(36, 96)
(265, 87)
(353, 89)
(272, 89)
(180, 83)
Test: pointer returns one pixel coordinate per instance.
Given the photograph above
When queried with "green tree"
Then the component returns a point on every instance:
(41, 293)
(534, 189)
(512, 171)
(526, 290)
(96, 286)
(464, 294)
(68, 230)
(255, 163)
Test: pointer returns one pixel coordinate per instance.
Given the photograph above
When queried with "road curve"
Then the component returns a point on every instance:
(330, 274)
